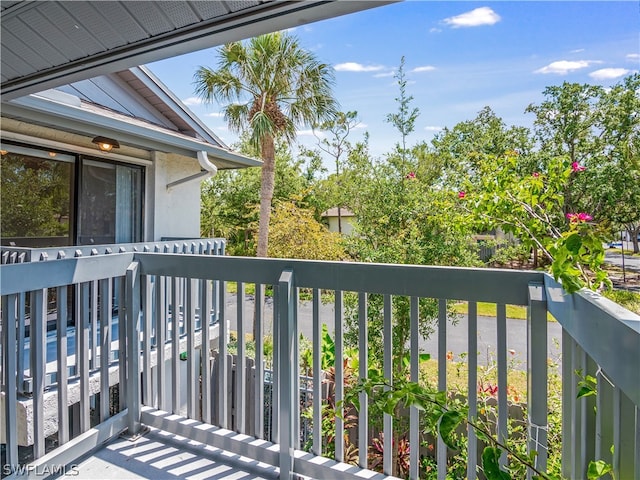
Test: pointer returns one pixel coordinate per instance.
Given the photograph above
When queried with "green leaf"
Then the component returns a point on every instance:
(598, 469)
(448, 423)
(585, 391)
(490, 465)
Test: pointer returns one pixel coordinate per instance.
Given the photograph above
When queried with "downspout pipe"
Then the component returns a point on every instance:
(208, 171)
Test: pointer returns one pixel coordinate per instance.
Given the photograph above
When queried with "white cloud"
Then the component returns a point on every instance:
(385, 74)
(309, 133)
(214, 114)
(433, 128)
(192, 101)
(609, 73)
(435, 30)
(360, 126)
(633, 56)
(577, 50)
(474, 18)
(425, 68)
(357, 67)
(562, 67)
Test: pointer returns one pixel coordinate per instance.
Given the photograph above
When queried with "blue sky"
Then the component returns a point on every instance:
(460, 57)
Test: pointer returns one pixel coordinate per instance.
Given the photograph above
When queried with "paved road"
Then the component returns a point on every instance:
(631, 263)
(456, 332)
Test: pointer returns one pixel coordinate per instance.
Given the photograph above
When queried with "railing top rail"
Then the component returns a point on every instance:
(50, 253)
(608, 333)
(490, 285)
(26, 277)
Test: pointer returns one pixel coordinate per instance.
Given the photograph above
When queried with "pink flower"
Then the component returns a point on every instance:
(578, 217)
(577, 167)
(462, 194)
(535, 174)
(411, 175)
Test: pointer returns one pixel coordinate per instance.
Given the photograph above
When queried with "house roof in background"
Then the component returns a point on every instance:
(53, 43)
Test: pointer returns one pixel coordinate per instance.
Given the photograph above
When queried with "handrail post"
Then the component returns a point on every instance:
(537, 375)
(132, 329)
(286, 371)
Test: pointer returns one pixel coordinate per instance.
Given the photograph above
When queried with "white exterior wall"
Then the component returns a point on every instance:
(347, 224)
(174, 212)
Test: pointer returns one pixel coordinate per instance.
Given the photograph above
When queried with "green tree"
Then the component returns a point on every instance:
(295, 233)
(460, 148)
(230, 200)
(404, 120)
(616, 182)
(270, 86)
(337, 145)
(531, 206)
(565, 126)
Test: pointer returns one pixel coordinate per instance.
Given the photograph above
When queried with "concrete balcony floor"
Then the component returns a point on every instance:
(159, 455)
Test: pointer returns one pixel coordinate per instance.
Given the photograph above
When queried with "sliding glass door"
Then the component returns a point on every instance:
(110, 203)
(52, 198)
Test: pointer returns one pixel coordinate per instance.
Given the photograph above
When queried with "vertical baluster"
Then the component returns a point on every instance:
(259, 342)
(120, 287)
(161, 339)
(442, 380)
(192, 374)
(275, 379)
(617, 430)
(472, 442)
(22, 304)
(175, 344)
(146, 290)
(628, 433)
(287, 340)
(295, 365)
(414, 414)
(317, 372)
(604, 427)
(363, 350)
(93, 324)
(10, 351)
(503, 412)
(589, 413)
(38, 349)
(339, 376)
(62, 374)
(132, 323)
(537, 375)
(387, 460)
(205, 367)
(568, 405)
(106, 292)
(240, 363)
(223, 385)
(82, 355)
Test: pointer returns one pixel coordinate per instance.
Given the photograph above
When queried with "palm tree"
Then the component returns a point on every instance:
(270, 86)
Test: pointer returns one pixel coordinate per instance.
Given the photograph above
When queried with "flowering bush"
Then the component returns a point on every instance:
(532, 207)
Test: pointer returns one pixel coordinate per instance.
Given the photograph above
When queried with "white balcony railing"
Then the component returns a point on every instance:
(165, 377)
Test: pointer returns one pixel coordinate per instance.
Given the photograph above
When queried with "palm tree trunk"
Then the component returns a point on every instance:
(267, 182)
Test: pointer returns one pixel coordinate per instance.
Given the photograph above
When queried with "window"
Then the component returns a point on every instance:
(37, 192)
(56, 199)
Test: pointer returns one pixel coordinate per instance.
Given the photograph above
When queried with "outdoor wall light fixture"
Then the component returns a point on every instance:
(106, 144)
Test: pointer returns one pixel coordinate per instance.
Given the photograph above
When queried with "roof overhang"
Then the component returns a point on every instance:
(49, 108)
(48, 44)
